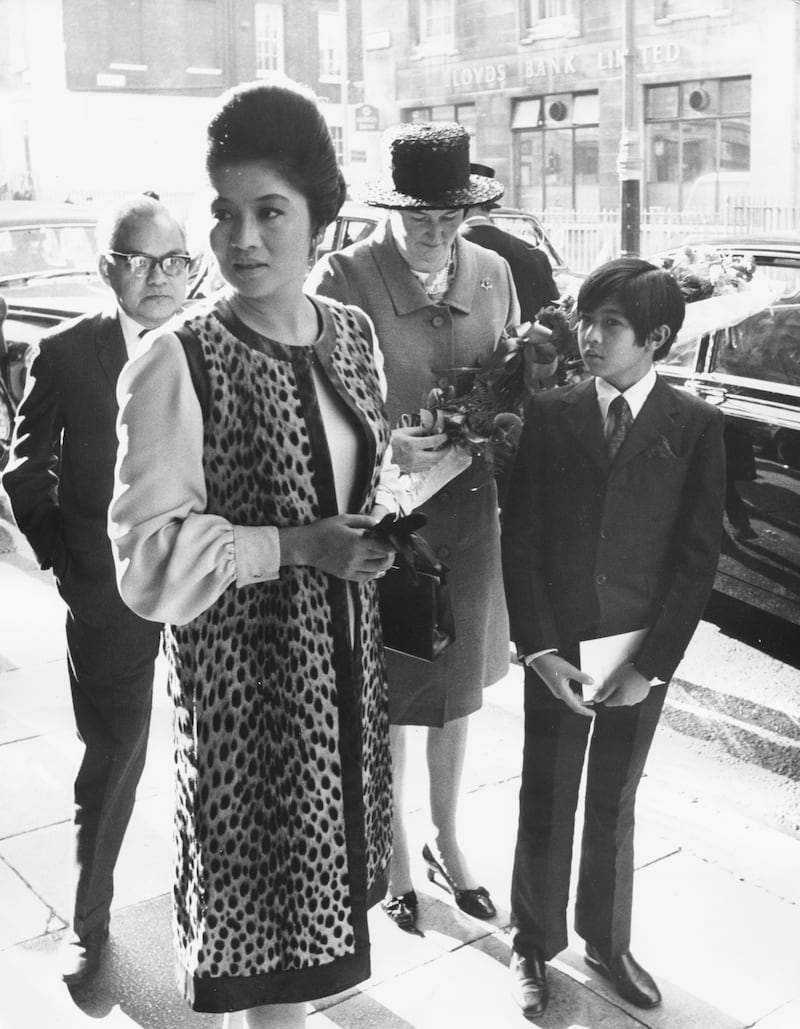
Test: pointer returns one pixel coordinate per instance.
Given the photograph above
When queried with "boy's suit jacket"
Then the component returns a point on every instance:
(592, 549)
(61, 474)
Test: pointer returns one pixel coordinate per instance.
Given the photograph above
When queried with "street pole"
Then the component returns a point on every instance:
(345, 84)
(629, 160)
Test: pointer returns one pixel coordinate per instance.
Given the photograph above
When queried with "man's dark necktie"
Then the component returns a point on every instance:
(620, 420)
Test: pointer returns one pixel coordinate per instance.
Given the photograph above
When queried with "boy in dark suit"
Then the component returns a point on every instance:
(60, 479)
(613, 524)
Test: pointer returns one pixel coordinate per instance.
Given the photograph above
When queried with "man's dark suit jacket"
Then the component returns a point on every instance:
(60, 487)
(594, 550)
(530, 268)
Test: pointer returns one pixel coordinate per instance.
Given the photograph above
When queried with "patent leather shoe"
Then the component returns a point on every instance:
(79, 957)
(627, 977)
(475, 902)
(402, 910)
(529, 982)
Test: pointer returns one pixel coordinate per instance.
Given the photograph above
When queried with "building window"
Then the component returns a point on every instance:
(556, 152)
(269, 38)
(433, 26)
(203, 37)
(330, 46)
(127, 37)
(337, 136)
(547, 19)
(672, 10)
(464, 114)
(697, 144)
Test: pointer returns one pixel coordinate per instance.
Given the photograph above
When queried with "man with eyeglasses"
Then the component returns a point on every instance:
(60, 480)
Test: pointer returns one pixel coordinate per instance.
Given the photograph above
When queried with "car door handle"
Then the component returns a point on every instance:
(711, 394)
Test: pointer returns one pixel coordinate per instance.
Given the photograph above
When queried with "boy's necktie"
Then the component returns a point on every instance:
(620, 420)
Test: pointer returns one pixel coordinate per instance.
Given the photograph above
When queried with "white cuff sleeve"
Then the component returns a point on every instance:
(258, 553)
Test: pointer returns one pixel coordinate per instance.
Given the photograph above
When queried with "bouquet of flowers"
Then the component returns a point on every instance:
(532, 357)
(486, 420)
(703, 272)
(720, 287)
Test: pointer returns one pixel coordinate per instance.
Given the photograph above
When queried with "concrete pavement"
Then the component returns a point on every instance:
(717, 902)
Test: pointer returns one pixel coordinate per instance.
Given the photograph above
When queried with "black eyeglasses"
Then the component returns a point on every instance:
(141, 265)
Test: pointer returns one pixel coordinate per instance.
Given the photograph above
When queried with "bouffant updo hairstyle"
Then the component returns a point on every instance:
(278, 122)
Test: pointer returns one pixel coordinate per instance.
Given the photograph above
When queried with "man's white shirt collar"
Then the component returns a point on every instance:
(635, 394)
(131, 333)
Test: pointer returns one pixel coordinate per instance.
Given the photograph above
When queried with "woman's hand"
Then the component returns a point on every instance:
(415, 450)
(337, 546)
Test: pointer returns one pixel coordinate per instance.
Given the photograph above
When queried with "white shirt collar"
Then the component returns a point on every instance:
(635, 394)
(131, 332)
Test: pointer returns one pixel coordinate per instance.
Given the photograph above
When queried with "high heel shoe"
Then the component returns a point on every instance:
(475, 902)
(402, 910)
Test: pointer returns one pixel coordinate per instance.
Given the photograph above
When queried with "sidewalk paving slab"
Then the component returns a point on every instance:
(717, 895)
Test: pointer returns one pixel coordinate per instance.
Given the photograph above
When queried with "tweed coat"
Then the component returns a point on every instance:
(429, 344)
(530, 268)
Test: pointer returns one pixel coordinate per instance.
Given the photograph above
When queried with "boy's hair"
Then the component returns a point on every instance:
(648, 297)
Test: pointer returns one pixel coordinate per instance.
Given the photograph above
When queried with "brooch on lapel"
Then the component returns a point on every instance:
(487, 284)
(661, 450)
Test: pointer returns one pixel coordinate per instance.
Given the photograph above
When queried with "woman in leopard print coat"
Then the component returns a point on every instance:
(254, 451)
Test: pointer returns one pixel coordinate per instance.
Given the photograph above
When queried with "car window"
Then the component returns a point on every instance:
(46, 248)
(765, 346)
(354, 229)
(682, 355)
(527, 228)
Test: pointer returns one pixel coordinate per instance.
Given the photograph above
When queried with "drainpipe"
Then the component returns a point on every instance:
(629, 159)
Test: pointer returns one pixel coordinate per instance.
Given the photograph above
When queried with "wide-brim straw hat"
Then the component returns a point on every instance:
(427, 167)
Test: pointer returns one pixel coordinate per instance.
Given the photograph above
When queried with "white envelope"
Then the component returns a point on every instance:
(604, 655)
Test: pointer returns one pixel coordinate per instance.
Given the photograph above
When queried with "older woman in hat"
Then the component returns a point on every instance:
(439, 305)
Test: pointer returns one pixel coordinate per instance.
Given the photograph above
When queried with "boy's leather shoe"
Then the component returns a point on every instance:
(627, 977)
(80, 956)
(529, 982)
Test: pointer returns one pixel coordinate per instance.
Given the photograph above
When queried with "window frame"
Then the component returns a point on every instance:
(330, 58)
(269, 16)
(537, 25)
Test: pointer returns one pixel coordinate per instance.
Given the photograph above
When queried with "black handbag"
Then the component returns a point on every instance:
(413, 596)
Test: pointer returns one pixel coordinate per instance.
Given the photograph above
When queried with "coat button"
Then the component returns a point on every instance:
(600, 580)
(604, 534)
(437, 321)
(443, 552)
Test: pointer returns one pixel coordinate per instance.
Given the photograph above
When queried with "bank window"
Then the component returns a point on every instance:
(268, 38)
(432, 26)
(556, 152)
(330, 46)
(203, 37)
(697, 145)
(546, 19)
(464, 114)
(127, 37)
(666, 11)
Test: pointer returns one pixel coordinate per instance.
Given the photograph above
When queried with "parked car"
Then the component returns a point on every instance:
(48, 273)
(750, 369)
(356, 221)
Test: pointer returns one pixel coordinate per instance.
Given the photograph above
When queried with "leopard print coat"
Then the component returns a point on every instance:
(283, 824)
